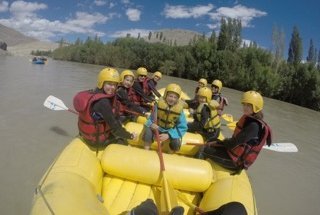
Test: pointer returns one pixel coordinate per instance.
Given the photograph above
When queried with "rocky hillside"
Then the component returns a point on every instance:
(178, 37)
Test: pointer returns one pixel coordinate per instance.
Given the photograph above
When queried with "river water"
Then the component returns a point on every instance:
(32, 136)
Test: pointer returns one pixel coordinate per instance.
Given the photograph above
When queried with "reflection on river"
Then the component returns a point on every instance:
(32, 136)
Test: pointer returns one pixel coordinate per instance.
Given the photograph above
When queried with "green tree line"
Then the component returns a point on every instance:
(224, 56)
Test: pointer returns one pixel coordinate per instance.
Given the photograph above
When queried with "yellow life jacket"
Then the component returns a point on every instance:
(213, 122)
(168, 116)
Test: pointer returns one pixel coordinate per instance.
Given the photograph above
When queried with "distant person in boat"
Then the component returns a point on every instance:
(206, 119)
(194, 103)
(152, 85)
(148, 207)
(141, 89)
(216, 95)
(250, 135)
(126, 109)
(97, 123)
(170, 119)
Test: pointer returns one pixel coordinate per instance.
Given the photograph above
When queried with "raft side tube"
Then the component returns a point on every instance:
(143, 166)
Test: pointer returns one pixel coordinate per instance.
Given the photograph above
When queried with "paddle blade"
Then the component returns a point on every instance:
(227, 117)
(168, 198)
(54, 103)
(282, 147)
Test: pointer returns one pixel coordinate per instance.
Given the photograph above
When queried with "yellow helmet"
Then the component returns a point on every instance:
(142, 71)
(203, 81)
(218, 84)
(254, 98)
(205, 92)
(125, 73)
(172, 88)
(158, 74)
(107, 74)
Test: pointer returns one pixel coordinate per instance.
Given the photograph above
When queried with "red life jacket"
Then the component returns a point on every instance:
(93, 131)
(245, 154)
(121, 108)
(135, 97)
(145, 86)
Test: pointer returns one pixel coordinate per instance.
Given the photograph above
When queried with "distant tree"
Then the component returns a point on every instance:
(167, 67)
(150, 35)
(175, 42)
(161, 35)
(61, 42)
(78, 42)
(138, 35)
(212, 38)
(157, 35)
(278, 44)
(128, 35)
(311, 58)
(230, 34)
(295, 47)
(318, 63)
(224, 37)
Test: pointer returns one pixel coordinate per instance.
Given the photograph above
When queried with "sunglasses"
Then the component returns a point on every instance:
(142, 76)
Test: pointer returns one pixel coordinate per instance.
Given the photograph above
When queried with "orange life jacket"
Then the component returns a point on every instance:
(245, 154)
(93, 131)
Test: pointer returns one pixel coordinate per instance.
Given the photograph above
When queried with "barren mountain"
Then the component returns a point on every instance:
(12, 37)
(19, 44)
(178, 37)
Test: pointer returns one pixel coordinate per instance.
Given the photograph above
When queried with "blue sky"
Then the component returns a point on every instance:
(70, 19)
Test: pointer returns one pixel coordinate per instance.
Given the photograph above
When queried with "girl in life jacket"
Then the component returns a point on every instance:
(125, 107)
(193, 103)
(168, 118)
(97, 123)
(141, 90)
(251, 134)
(216, 95)
(206, 119)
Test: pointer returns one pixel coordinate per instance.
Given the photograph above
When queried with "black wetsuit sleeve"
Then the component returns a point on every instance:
(138, 89)
(122, 96)
(153, 88)
(249, 132)
(103, 108)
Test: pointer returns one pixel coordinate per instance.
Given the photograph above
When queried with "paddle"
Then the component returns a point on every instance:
(190, 204)
(278, 147)
(168, 197)
(54, 103)
(227, 117)
(231, 125)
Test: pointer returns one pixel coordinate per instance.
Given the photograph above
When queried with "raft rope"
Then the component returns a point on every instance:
(39, 190)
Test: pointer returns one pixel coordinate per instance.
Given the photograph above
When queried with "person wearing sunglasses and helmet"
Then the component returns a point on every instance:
(250, 135)
(97, 123)
(216, 87)
(192, 104)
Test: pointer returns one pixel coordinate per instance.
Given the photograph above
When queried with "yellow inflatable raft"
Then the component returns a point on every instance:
(84, 180)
